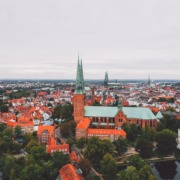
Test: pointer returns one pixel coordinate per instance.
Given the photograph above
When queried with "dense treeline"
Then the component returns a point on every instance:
(37, 164)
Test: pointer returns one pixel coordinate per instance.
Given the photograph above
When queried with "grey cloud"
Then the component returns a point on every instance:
(130, 39)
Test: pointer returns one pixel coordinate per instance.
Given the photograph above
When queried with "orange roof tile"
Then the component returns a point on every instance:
(68, 172)
(84, 123)
(73, 157)
(50, 129)
(106, 131)
(58, 147)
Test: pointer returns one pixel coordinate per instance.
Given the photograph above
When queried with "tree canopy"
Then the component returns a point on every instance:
(121, 145)
(96, 149)
(166, 141)
(108, 166)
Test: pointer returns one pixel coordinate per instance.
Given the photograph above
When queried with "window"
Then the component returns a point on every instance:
(120, 120)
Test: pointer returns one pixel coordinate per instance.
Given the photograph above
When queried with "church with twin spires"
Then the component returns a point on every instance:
(105, 121)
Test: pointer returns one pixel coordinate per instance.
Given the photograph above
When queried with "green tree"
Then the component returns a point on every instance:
(59, 160)
(26, 139)
(161, 99)
(16, 147)
(149, 133)
(121, 145)
(70, 141)
(2, 127)
(32, 171)
(8, 165)
(65, 130)
(32, 143)
(4, 108)
(80, 143)
(166, 141)
(85, 166)
(132, 131)
(136, 161)
(96, 149)
(145, 147)
(145, 173)
(2, 146)
(131, 173)
(68, 129)
(17, 131)
(39, 153)
(108, 166)
(64, 111)
(8, 132)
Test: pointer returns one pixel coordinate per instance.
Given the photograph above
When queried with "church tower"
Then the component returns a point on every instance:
(106, 79)
(79, 94)
(149, 80)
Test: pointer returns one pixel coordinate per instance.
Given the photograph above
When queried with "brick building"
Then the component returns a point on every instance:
(105, 121)
(44, 133)
(52, 146)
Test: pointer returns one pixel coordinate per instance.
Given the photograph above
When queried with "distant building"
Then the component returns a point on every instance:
(106, 79)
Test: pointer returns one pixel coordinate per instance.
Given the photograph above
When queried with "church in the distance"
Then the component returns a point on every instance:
(105, 121)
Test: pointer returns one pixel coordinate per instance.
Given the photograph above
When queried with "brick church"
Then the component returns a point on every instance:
(105, 121)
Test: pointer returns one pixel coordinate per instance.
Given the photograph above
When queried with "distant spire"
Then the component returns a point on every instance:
(79, 88)
(120, 104)
(106, 79)
(149, 80)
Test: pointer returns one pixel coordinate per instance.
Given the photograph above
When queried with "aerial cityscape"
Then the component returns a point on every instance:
(89, 90)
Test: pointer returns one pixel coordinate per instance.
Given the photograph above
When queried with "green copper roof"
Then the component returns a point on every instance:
(159, 115)
(100, 111)
(130, 112)
(138, 113)
(106, 79)
(79, 88)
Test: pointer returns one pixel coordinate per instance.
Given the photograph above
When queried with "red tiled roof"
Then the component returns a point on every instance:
(68, 172)
(84, 123)
(64, 148)
(42, 93)
(73, 157)
(106, 131)
(50, 129)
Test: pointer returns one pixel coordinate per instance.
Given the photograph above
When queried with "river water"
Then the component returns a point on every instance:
(167, 170)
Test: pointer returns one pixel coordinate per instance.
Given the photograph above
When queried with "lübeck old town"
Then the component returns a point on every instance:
(87, 129)
(89, 90)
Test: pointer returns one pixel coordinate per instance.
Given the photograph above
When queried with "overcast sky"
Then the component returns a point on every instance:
(128, 38)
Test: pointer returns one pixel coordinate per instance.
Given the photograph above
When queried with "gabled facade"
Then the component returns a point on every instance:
(45, 133)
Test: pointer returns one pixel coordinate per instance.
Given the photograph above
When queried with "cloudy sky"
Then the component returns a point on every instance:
(128, 38)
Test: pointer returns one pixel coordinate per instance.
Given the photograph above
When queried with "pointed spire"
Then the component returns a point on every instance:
(120, 104)
(79, 89)
(149, 80)
(106, 79)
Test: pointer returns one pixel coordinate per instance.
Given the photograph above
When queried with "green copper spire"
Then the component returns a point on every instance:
(79, 88)
(82, 74)
(106, 79)
(120, 104)
(149, 80)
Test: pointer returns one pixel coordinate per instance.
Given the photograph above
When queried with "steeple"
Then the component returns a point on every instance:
(149, 80)
(120, 104)
(79, 88)
(106, 79)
